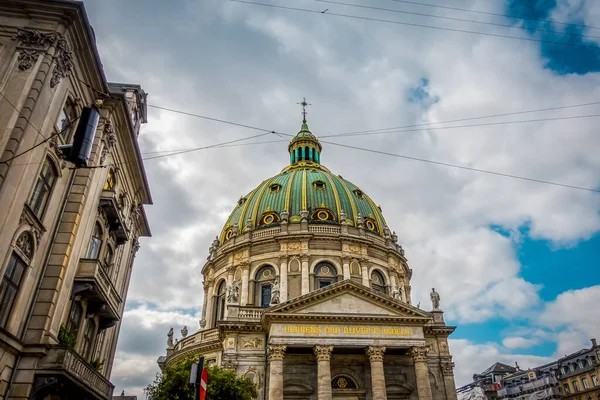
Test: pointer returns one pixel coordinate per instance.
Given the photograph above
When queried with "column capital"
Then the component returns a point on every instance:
(375, 353)
(283, 259)
(245, 266)
(276, 352)
(447, 368)
(208, 283)
(419, 354)
(231, 269)
(346, 259)
(305, 258)
(323, 353)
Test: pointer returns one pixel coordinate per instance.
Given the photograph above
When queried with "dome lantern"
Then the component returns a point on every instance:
(305, 147)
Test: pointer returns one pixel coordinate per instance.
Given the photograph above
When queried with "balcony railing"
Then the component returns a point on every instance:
(333, 230)
(61, 360)
(250, 313)
(261, 233)
(92, 271)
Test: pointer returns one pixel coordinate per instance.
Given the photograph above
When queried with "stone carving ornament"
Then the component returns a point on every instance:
(343, 217)
(285, 216)
(275, 292)
(64, 62)
(170, 338)
(25, 244)
(375, 353)
(447, 368)
(31, 44)
(419, 354)
(233, 292)
(276, 352)
(323, 353)
(435, 299)
(110, 140)
(254, 343)
(184, 332)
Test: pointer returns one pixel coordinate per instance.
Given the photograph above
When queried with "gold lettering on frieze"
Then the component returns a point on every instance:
(348, 330)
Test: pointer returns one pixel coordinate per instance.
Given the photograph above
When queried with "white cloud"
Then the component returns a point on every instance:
(518, 342)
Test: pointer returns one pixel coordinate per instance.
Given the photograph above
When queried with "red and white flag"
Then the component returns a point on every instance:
(203, 383)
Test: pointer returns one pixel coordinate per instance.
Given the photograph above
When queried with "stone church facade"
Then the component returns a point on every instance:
(307, 292)
(68, 236)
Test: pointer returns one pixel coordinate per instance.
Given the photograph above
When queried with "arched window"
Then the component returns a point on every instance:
(110, 180)
(65, 124)
(11, 282)
(109, 256)
(325, 275)
(263, 280)
(43, 188)
(378, 282)
(74, 321)
(220, 303)
(88, 339)
(95, 242)
(343, 382)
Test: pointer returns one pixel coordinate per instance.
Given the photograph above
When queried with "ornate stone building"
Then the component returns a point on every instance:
(68, 236)
(307, 292)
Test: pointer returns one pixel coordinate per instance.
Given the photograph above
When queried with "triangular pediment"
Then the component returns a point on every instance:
(350, 299)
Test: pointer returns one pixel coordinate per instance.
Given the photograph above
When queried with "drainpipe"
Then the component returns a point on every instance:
(39, 285)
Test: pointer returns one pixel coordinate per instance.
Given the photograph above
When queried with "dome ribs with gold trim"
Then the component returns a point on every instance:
(305, 185)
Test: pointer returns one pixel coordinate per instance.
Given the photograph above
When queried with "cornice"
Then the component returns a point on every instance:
(440, 330)
(417, 321)
(194, 349)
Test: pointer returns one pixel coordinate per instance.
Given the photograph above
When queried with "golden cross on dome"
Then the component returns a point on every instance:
(304, 104)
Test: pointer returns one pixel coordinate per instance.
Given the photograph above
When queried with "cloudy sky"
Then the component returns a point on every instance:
(515, 261)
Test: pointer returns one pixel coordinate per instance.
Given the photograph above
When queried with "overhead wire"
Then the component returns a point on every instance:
(580, 35)
(494, 14)
(595, 47)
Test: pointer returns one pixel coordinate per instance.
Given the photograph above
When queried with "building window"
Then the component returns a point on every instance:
(95, 242)
(582, 364)
(378, 282)
(65, 124)
(43, 188)
(575, 386)
(264, 279)
(88, 339)
(74, 321)
(325, 275)
(567, 390)
(343, 382)
(13, 277)
(595, 381)
(585, 382)
(98, 345)
(319, 185)
(572, 366)
(220, 303)
(110, 180)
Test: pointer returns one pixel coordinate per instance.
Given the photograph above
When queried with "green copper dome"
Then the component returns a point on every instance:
(304, 185)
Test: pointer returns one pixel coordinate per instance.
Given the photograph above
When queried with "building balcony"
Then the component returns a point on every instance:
(244, 313)
(112, 210)
(62, 370)
(92, 279)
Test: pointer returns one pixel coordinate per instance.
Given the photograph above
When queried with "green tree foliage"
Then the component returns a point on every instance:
(222, 384)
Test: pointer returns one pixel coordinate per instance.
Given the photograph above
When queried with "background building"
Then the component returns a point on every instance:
(68, 237)
(307, 292)
(579, 374)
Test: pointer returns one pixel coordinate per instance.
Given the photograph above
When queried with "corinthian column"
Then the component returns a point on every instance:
(276, 353)
(323, 354)
(448, 372)
(375, 354)
(419, 356)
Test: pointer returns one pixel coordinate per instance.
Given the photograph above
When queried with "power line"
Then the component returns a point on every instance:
(494, 14)
(469, 118)
(457, 19)
(413, 24)
(463, 167)
(463, 126)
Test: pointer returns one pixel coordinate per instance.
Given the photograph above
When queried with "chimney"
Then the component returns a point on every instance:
(594, 344)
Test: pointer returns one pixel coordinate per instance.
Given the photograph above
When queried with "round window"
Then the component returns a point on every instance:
(370, 225)
(322, 215)
(269, 219)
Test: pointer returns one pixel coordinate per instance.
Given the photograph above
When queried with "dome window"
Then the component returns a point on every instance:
(319, 185)
(322, 214)
(358, 193)
(370, 224)
(228, 234)
(241, 201)
(275, 188)
(269, 217)
(378, 282)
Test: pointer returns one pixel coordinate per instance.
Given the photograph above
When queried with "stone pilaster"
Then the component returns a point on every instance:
(305, 282)
(419, 356)
(323, 354)
(375, 354)
(276, 354)
(346, 267)
(365, 274)
(448, 373)
(283, 282)
(209, 303)
(204, 305)
(245, 278)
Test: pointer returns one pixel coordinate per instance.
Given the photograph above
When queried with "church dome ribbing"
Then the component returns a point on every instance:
(305, 190)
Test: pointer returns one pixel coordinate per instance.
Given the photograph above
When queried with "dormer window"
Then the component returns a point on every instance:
(241, 201)
(275, 188)
(358, 193)
(319, 185)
